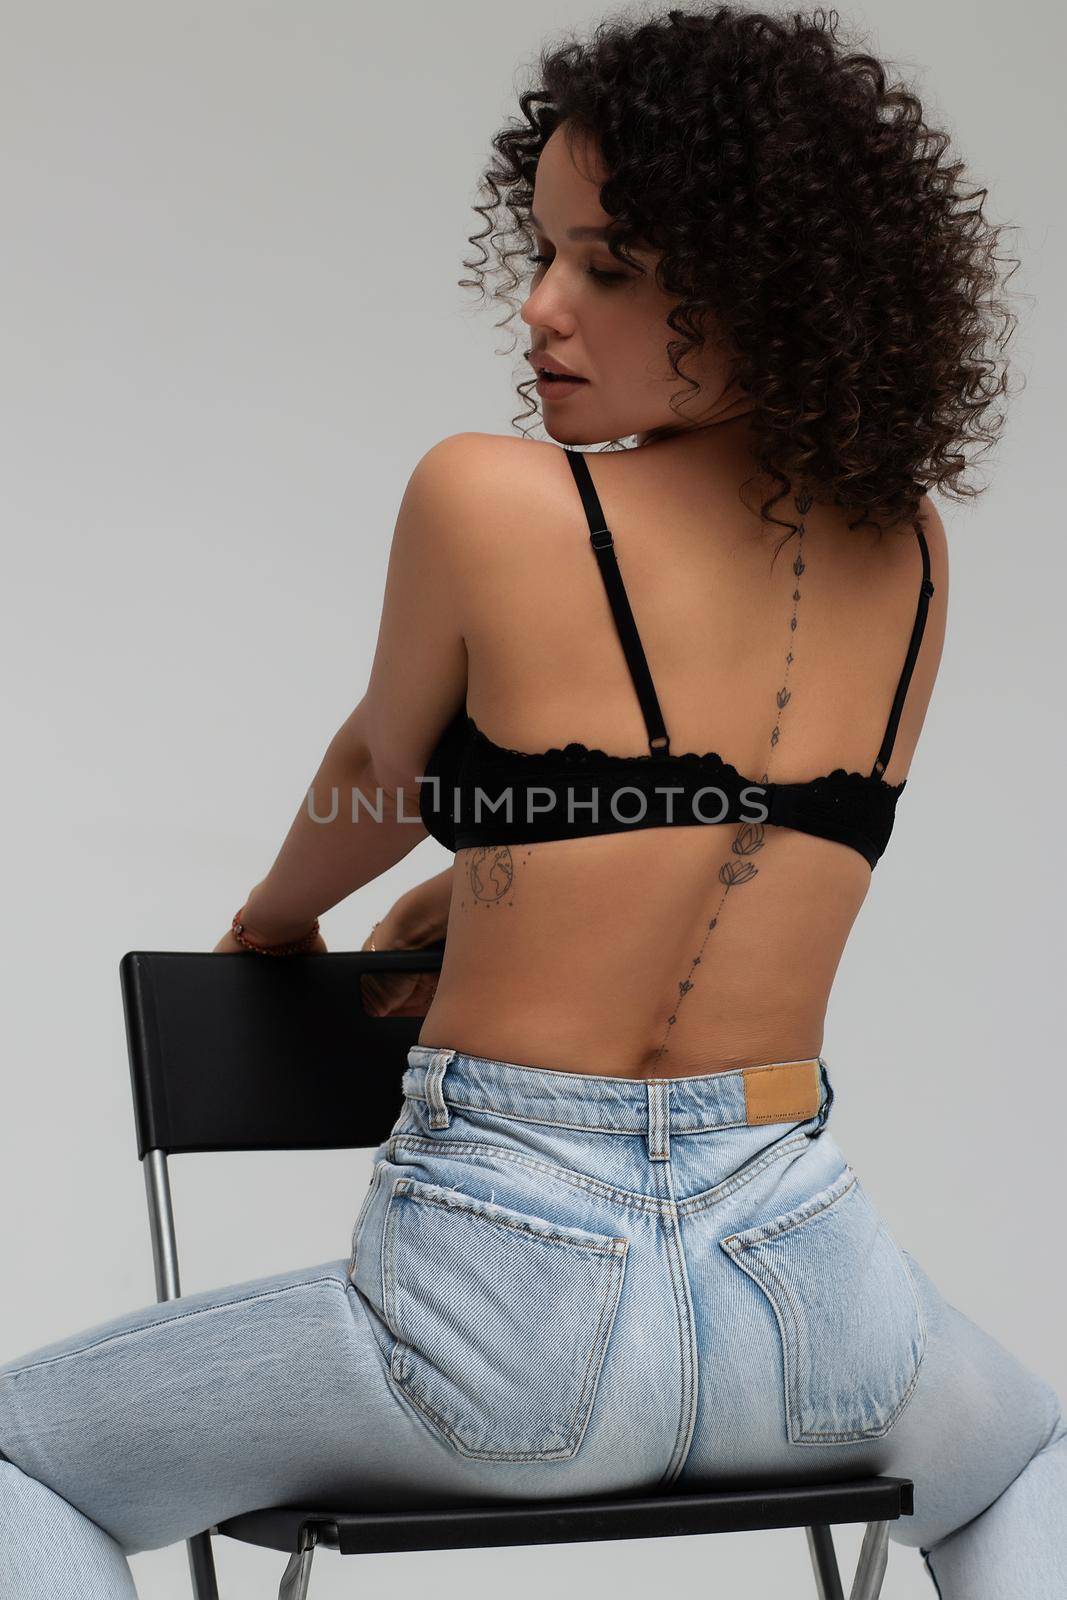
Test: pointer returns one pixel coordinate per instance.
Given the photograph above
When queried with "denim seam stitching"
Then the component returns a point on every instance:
(305, 1283)
(445, 1427)
(683, 1311)
(918, 1303)
(417, 1142)
(584, 1127)
(667, 1219)
(364, 1208)
(792, 1423)
(743, 1242)
(638, 1202)
(613, 1246)
(738, 1180)
(614, 1284)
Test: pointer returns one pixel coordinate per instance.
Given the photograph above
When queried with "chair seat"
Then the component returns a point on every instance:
(477, 1525)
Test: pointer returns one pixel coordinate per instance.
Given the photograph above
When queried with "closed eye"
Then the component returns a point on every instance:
(594, 272)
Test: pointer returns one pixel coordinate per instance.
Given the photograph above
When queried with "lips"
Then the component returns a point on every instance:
(548, 366)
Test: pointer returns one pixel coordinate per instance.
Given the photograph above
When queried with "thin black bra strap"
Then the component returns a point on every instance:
(601, 540)
(926, 589)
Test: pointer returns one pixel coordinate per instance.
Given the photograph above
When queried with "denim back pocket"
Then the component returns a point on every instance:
(852, 1330)
(501, 1320)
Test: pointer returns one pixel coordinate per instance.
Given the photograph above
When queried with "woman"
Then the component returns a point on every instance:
(611, 1244)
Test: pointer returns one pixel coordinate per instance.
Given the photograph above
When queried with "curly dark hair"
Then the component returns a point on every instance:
(799, 197)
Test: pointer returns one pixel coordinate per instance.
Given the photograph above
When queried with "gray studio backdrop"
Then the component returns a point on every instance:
(230, 327)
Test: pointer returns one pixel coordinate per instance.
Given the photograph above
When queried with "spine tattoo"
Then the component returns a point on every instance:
(739, 868)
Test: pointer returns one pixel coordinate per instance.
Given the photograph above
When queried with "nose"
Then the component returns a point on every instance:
(552, 327)
(543, 310)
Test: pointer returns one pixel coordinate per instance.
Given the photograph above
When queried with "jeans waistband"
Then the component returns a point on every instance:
(777, 1091)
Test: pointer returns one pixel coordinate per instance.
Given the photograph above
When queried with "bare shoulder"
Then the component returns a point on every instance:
(485, 452)
(928, 662)
(483, 477)
(937, 544)
(936, 541)
(477, 514)
(903, 552)
(497, 505)
(486, 471)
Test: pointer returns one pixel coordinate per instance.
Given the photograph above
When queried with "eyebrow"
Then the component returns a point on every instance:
(584, 232)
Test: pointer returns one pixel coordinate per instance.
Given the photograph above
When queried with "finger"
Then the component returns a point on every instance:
(418, 1002)
(382, 998)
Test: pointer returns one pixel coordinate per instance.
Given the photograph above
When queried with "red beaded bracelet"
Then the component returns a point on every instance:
(293, 948)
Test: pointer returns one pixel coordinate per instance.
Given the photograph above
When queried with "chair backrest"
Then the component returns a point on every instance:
(245, 1052)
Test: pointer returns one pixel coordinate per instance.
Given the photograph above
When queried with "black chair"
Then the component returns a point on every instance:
(223, 1054)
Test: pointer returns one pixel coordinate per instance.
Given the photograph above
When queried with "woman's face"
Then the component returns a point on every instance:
(607, 323)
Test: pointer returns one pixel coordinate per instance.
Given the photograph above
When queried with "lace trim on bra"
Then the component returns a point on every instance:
(575, 754)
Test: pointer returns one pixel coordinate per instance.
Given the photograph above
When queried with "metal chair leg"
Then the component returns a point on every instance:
(870, 1568)
(202, 1567)
(297, 1575)
(168, 1287)
(824, 1561)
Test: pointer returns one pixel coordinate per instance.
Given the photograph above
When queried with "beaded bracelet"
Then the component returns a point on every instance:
(294, 947)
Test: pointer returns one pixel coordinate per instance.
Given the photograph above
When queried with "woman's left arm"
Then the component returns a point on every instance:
(337, 841)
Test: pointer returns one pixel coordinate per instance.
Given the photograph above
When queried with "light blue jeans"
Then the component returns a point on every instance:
(559, 1285)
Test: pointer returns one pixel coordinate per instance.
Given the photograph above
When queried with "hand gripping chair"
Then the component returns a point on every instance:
(245, 1053)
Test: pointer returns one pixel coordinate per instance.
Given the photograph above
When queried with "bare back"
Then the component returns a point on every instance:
(634, 954)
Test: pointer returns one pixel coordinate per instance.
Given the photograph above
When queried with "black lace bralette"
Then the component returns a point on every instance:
(476, 793)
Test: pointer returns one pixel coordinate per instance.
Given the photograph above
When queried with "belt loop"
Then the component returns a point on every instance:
(432, 1087)
(658, 1137)
(824, 1110)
